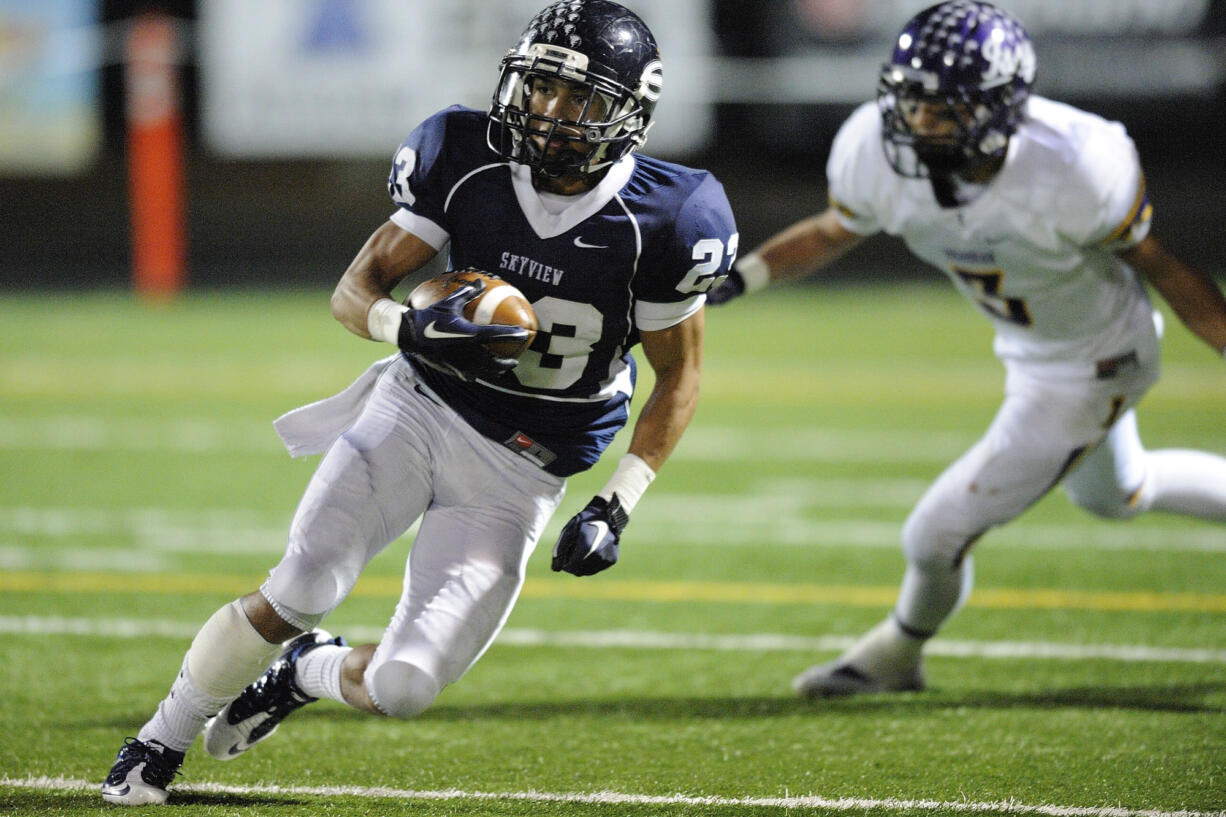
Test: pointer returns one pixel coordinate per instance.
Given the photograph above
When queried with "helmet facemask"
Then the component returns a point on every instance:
(614, 120)
(981, 121)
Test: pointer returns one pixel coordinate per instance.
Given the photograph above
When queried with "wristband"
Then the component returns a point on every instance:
(628, 482)
(383, 320)
(755, 272)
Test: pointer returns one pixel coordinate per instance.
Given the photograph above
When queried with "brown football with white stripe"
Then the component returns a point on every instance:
(499, 303)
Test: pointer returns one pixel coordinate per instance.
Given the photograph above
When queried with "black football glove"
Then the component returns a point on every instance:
(729, 288)
(588, 543)
(441, 335)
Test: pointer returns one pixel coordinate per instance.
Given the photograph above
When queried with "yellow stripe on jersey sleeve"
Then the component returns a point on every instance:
(843, 209)
(1138, 214)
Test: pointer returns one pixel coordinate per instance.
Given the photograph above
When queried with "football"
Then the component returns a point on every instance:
(499, 303)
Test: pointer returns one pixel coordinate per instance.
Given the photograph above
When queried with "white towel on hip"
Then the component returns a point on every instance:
(311, 429)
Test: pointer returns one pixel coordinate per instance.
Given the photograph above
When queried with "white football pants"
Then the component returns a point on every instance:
(1084, 433)
(482, 510)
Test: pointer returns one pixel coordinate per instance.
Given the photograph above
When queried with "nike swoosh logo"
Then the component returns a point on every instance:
(438, 334)
(602, 530)
(417, 388)
(234, 750)
(579, 242)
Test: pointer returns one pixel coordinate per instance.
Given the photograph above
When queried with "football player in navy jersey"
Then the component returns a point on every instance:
(613, 249)
(1038, 214)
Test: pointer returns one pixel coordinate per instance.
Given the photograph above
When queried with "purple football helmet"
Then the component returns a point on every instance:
(973, 61)
(599, 45)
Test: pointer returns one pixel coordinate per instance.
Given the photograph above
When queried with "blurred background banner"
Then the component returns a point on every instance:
(1096, 48)
(49, 97)
(349, 78)
(292, 110)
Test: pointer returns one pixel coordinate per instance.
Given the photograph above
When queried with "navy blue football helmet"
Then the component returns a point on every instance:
(598, 45)
(976, 63)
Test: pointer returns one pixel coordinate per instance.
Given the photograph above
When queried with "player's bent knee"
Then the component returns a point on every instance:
(303, 593)
(401, 690)
(927, 545)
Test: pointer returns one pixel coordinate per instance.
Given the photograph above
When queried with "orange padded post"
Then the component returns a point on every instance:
(155, 156)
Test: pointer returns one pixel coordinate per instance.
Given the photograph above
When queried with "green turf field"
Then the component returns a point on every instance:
(141, 486)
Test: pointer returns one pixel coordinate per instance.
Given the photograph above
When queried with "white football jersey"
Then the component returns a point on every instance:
(1035, 249)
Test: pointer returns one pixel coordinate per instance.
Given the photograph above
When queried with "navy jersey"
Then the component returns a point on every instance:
(638, 252)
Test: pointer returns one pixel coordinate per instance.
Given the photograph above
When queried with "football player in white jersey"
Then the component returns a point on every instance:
(1037, 212)
(612, 248)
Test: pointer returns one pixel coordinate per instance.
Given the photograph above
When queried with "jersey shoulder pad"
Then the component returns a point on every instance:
(706, 212)
(692, 247)
(678, 201)
(438, 151)
(1091, 168)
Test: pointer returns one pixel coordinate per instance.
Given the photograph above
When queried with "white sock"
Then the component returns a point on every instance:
(225, 656)
(1187, 482)
(228, 653)
(318, 672)
(931, 593)
(181, 714)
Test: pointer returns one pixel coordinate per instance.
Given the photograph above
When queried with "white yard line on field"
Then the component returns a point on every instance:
(809, 801)
(652, 640)
(81, 432)
(791, 513)
(702, 443)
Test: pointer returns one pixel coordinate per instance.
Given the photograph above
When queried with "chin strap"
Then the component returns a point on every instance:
(943, 189)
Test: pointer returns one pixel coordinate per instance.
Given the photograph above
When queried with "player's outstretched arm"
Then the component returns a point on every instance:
(1192, 294)
(799, 250)
(588, 543)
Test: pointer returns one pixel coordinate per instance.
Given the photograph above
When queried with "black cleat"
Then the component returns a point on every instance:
(142, 771)
(255, 714)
